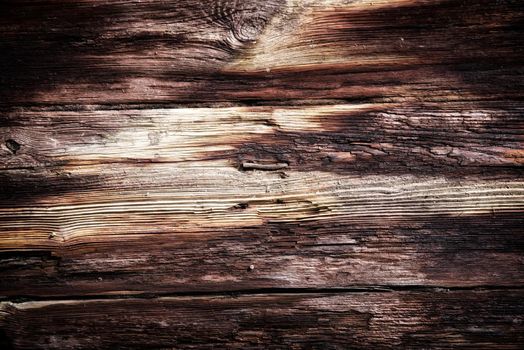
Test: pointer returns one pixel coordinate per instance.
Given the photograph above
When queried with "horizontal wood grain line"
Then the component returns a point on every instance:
(187, 51)
(441, 319)
(374, 288)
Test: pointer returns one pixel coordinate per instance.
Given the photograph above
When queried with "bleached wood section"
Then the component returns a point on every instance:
(401, 137)
(226, 197)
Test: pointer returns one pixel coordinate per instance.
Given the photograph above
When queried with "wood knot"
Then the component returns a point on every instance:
(248, 29)
(245, 19)
(12, 145)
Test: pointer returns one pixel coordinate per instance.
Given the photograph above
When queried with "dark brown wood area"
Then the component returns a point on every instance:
(281, 174)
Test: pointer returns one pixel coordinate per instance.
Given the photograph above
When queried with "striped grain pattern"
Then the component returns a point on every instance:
(322, 174)
(351, 207)
(380, 320)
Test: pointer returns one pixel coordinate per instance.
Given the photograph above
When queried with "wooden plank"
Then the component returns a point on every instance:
(156, 229)
(451, 137)
(443, 251)
(387, 320)
(87, 51)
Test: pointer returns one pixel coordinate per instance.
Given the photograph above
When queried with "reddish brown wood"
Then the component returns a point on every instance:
(380, 320)
(156, 157)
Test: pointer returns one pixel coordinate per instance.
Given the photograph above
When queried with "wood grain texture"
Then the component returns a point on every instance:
(203, 229)
(466, 252)
(354, 168)
(358, 202)
(86, 51)
(452, 137)
(388, 320)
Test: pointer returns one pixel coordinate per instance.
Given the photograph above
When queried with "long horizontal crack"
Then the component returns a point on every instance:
(266, 291)
(79, 107)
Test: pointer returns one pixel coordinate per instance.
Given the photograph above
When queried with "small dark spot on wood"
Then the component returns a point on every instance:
(327, 160)
(12, 145)
(279, 201)
(242, 205)
(271, 122)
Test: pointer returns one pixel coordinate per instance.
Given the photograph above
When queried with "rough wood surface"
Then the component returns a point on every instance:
(339, 162)
(90, 51)
(203, 229)
(385, 320)
(372, 194)
(458, 138)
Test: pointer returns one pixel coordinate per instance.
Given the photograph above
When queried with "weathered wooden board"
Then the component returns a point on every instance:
(156, 157)
(387, 320)
(156, 228)
(342, 253)
(90, 51)
(457, 138)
